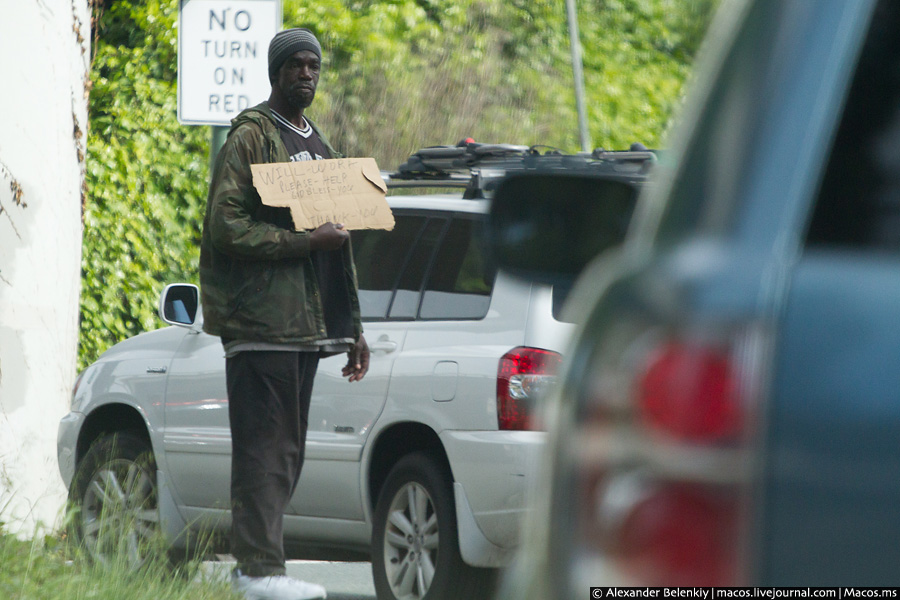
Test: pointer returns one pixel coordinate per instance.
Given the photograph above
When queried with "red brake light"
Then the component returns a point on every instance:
(522, 377)
(690, 392)
(664, 457)
(681, 535)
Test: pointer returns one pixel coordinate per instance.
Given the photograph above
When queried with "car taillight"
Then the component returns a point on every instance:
(662, 456)
(680, 535)
(690, 391)
(523, 377)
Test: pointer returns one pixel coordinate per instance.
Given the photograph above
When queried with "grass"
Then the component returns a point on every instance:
(50, 569)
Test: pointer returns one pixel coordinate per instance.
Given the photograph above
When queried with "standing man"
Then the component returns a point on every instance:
(279, 299)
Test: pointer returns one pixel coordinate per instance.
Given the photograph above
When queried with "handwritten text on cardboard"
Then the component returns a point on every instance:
(341, 190)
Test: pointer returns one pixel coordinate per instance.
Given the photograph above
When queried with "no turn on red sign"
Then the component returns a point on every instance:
(223, 57)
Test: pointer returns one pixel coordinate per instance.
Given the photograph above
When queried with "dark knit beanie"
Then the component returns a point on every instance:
(286, 43)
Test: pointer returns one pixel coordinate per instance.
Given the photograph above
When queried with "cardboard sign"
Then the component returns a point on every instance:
(340, 190)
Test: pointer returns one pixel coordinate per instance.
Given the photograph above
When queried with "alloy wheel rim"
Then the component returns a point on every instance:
(120, 514)
(411, 542)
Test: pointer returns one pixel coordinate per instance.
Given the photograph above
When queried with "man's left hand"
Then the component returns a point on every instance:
(357, 361)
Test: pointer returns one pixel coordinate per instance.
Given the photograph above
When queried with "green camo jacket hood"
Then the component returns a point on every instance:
(257, 280)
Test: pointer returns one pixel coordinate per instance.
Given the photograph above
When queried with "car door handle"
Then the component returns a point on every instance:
(383, 345)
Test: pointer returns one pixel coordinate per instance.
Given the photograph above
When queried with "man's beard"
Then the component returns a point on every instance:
(300, 98)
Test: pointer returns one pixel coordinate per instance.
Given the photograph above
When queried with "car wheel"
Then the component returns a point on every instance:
(415, 542)
(113, 502)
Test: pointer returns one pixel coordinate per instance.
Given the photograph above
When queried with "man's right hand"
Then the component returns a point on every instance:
(328, 237)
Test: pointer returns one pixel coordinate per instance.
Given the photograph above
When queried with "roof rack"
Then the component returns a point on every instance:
(479, 167)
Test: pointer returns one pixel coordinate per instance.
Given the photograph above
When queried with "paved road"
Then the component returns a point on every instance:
(344, 581)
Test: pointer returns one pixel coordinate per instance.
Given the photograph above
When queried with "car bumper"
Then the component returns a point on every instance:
(494, 471)
(66, 443)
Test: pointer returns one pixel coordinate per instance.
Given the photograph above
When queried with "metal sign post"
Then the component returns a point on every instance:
(578, 73)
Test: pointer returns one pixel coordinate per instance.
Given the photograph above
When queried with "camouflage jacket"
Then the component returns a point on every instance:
(257, 280)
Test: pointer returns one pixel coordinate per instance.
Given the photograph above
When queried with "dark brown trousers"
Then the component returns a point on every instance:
(268, 405)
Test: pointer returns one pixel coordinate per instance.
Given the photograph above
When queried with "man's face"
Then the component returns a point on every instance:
(298, 78)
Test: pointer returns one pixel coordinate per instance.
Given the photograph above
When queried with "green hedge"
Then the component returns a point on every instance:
(398, 75)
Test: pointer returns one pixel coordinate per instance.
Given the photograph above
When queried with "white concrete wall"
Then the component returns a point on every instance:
(44, 61)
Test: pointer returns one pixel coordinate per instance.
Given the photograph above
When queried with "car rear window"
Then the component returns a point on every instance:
(428, 267)
(379, 257)
(409, 287)
(858, 206)
(461, 278)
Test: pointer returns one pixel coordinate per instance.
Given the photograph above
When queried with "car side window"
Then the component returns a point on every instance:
(859, 201)
(409, 286)
(379, 256)
(461, 279)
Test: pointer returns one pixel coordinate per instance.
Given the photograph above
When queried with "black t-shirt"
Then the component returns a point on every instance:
(305, 144)
(301, 143)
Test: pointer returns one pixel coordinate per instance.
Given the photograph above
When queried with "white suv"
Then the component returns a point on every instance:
(422, 467)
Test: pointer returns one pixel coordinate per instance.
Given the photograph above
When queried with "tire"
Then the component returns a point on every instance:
(114, 505)
(415, 541)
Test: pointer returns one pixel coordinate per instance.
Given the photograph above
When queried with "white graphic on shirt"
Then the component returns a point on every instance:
(300, 156)
(305, 132)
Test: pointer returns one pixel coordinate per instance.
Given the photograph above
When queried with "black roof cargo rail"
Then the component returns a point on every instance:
(479, 167)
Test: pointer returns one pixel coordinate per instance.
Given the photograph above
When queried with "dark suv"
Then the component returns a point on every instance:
(729, 412)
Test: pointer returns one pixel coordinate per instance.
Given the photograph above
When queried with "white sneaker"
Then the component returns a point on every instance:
(276, 587)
